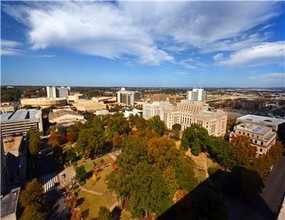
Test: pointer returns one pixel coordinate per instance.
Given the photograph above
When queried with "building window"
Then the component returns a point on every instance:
(261, 143)
(255, 142)
(260, 150)
(239, 132)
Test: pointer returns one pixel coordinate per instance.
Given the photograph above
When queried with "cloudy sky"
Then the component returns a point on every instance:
(169, 44)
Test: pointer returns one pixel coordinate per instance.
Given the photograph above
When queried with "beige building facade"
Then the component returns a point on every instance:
(261, 137)
(44, 102)
(188, 112)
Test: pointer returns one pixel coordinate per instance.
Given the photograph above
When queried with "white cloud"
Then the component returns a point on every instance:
(142, 29)
(269, 79)
(47, 55)
(218, 57)
(263, 54)
(10, 48)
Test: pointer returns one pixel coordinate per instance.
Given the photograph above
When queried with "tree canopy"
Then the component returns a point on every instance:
(32, 199)
(150, 170)
(34, 141)
(156, 124)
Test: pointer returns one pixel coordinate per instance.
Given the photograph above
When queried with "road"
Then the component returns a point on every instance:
(275, 186)
(267, 206)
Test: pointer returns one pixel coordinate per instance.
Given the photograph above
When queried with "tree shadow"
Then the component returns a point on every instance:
(224, 195)
(116, 213)
(79, 201)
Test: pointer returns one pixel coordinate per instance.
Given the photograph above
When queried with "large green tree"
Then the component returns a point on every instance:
(197, 137)
(91, 142)
(150, 170)
(34, 141)
(32, 199)
(156, 124)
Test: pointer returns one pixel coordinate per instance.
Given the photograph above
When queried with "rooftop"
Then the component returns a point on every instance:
(261, 119)
(20, 114)
(257, 129)
(9, 202)
(12, 145)
(62, 112)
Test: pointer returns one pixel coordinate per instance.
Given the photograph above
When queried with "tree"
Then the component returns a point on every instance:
(117, 140)
(156, 124)
(71, 155)
(91, 142)
(244, 152)
(156, 167)
(54, 139)
(196, 147)
(197, 136)
(184, 143)
(30, 212)
(32, 199)
(71, 137)
(81, 174)
(176, 127)
(117, 124)
(104, 213)
(34, 143)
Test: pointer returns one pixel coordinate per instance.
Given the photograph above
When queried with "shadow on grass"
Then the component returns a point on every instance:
(224, 195)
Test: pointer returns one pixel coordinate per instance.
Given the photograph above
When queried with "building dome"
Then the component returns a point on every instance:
(123, 89)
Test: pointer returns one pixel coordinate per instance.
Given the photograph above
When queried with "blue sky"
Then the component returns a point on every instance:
(152, 43)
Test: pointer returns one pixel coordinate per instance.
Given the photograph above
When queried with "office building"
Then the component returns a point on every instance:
(261, 130)
(261, 137)
(127, 97)
(214, 121)
(273, 123)
(15, 150)
(43, 102)
(188, 112)
(57, 92)
(88, 105)
(196, 95)
(20, 121)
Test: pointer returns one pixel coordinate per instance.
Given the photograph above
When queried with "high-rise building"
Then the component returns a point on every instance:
(127, 97)
(58, 92)
(196, 95)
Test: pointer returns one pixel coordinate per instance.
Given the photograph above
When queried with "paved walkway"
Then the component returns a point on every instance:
(90, 191)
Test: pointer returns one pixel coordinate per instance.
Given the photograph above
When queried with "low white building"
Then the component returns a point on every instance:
(65, 117)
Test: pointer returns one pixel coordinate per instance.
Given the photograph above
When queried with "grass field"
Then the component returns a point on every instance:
(93, 202)
(99, 185)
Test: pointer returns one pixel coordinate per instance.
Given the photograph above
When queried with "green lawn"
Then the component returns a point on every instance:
(99, 185)
(93, 202)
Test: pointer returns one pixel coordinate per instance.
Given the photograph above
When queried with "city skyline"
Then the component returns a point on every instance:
(178, 44)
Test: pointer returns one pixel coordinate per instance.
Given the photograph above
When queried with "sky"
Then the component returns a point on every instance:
(143, 44)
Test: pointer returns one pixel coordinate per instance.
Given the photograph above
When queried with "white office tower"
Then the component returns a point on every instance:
(127, 97)
(51, 92)
(196, 95)
(57, 92)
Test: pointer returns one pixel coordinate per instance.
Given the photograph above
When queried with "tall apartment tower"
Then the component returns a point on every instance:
(127, 97)
(196, 95)
(58, 92)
